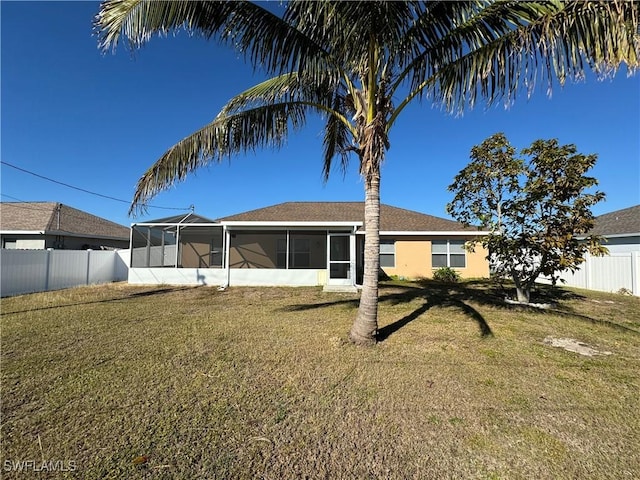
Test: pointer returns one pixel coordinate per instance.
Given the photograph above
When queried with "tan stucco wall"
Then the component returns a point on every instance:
(413, 259)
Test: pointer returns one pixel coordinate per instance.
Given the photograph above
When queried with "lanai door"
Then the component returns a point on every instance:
(341, 271)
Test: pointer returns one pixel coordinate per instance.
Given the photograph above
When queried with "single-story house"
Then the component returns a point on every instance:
(43, 225)
(297, 243)
(621, 229)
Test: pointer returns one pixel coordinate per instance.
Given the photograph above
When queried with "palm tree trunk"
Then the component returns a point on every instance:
(365, 327)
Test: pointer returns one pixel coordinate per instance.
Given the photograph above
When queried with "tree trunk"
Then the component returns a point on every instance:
(365, 327)
(523, 294)
(523, 291)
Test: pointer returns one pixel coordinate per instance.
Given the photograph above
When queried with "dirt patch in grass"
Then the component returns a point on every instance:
(168, 382)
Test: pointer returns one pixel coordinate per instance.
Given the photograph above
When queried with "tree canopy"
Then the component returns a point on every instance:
(537, 207)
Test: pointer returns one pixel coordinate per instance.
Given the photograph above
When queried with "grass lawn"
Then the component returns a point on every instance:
(124, 381)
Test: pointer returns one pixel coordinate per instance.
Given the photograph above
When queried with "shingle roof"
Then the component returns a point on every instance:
(619, 222)
(43, 216)
(391, 218)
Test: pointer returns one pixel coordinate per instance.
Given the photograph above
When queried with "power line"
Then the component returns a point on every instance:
(86, 191)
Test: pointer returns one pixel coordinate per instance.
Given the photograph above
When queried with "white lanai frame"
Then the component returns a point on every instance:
(227, 275)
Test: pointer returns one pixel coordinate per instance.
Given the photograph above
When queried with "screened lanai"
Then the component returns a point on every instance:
(184, 241)
(191, 249)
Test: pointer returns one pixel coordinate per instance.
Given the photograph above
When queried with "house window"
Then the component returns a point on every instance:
(387, 253)
(448, 253)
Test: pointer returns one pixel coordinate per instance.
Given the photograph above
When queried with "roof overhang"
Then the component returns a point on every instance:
(622, 235)
(616, 235)
(152, 224)
(424, 233)
(22, 232)
(63, 233)
(291, 224)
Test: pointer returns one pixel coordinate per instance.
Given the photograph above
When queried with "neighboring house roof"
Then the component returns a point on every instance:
(57, 219)
(620, 222)
(392, 219)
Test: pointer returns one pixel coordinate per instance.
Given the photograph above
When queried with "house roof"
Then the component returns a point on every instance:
(181, 219)
(620, 222)
(58, 219)
(391, 218)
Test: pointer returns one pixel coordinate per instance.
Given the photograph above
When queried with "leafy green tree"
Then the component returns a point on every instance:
(537, 208)
(359, 64)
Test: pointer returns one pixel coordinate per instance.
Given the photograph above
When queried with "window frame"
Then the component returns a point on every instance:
(392, 255)
(448, 254)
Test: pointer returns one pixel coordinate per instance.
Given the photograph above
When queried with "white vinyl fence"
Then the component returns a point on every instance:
(606, 274)
(29, 271)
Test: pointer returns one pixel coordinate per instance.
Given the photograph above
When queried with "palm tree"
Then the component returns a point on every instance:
(359, 64)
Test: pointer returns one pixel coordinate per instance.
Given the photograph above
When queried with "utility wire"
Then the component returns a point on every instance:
(88, 191)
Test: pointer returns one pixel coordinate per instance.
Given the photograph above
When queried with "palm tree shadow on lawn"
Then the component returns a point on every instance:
(458, 295)
(434, 295)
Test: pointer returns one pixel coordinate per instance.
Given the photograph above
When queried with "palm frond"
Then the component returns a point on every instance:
(265, 126)
(336, 141)
(543, 41)
(266, 40)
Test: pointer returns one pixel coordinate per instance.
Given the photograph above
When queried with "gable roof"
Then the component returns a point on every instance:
(620, 222)
(58, 219)
(392, 219)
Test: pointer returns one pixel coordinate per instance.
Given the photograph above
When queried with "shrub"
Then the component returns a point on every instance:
(446, 274)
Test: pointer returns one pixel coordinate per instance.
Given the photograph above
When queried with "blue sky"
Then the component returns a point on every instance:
(98, 121)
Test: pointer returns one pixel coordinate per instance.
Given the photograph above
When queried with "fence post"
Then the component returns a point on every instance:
(48, 270)
(587, 271)
(635, 257)
(88, 266)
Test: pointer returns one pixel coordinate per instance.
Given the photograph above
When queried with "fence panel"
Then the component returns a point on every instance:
(122, 265)
(611, 273)
(20, 273)
(29, 271)
(67, 268)
(606, 274)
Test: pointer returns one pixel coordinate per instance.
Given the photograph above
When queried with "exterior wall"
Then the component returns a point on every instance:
(25, 242)
(238, 276)
(178, 276)
(413, 259)
(277, 277)
(42, 242)
(623, 244)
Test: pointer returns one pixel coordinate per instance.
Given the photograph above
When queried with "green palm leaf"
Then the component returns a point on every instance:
(265, 126)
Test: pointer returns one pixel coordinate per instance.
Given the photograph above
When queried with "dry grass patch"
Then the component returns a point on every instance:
(171, 382)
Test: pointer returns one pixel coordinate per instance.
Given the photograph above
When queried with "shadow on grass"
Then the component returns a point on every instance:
(146, 293)
(444, 296)
(436, 294)
(459, 295)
